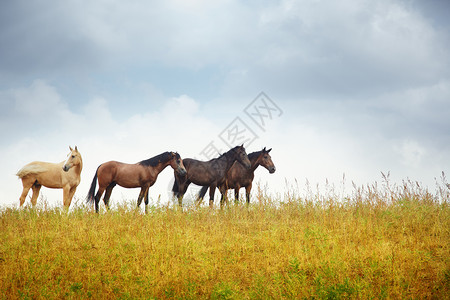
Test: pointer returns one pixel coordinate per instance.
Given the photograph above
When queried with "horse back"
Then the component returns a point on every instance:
(47, 174)
(194, 165)
(38, 167)
(200, 172)
(107, 171)
(123, 174)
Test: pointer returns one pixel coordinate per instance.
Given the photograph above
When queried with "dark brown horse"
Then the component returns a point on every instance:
(142, 174)
(208, 173)
(238, 176)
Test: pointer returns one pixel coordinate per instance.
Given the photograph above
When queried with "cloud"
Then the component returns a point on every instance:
(26, 109)
(411, 153)
(293, 48)
(49, 36)
(341, 50)
(419, 113)
(37, 100)
(43, 37)
(363, 85)
(52, 127)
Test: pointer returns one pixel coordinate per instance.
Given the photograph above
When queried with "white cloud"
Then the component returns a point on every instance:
(179, 107)
(28, 110)
(31, 103)
(175, 126)
(411, 153)
(39, 99)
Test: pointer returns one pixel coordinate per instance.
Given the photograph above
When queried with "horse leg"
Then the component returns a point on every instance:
(27, 184)
(236, 195)
(66, 193)
(182, 190)
(178, 185)
(248, 188)
(212, 190)
(223, 198)
(141, 195)
(146, 200)
(99, 194)
(179, 194)
(35, 188)
(108, 194)
(71, 193)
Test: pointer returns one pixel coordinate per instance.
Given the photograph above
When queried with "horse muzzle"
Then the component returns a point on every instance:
(66, 168)
(272, 170)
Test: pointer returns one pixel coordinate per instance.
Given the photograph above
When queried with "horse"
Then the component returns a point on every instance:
(64, 175)
(238, 176)
(208, 173)
(142, 174)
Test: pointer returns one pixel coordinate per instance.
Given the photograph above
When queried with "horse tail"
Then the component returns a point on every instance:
(22, 173)
(91, 194)
(202, 192)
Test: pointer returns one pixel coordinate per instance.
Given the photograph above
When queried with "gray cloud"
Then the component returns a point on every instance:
(297, 47)
(43, 38)
(340, 50)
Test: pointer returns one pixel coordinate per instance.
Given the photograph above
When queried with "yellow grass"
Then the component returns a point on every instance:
(376, 243)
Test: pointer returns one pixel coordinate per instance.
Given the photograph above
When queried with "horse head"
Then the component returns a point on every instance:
(265, 160)
(73, 159)
(177, 164)
(241, 156)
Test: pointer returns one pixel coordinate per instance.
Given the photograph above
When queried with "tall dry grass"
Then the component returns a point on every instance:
(378, 242)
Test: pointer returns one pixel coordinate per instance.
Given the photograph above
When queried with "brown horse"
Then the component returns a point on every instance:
(210, 173)
(238, 176)
(142, 174)
(64, 175)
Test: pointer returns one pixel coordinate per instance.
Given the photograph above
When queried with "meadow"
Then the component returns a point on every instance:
(378, 242)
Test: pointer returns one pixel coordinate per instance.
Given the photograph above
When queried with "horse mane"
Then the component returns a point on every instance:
(225, 153)
(254, 154)
(221, 155)
(154, 161)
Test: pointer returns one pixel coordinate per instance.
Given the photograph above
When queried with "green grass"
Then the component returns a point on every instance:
(380, 243)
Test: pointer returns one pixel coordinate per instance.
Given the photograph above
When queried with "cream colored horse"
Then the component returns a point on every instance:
(64, 175)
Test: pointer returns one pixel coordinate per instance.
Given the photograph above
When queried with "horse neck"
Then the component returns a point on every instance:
(160, 167)
(78, 167)
(228, 160)
(254, 161)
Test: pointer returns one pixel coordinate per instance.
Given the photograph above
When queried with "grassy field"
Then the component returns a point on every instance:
(378, 242)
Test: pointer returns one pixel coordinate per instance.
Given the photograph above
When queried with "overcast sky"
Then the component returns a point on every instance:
(349, 87)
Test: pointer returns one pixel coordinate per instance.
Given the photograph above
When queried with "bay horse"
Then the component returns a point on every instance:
(208, 173)
(142, 174)
(238, 176)
(64, 175)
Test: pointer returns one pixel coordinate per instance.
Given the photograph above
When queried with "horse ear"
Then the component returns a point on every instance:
(264, 149)
(269, 150)
(70, 148)
(76, 148)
